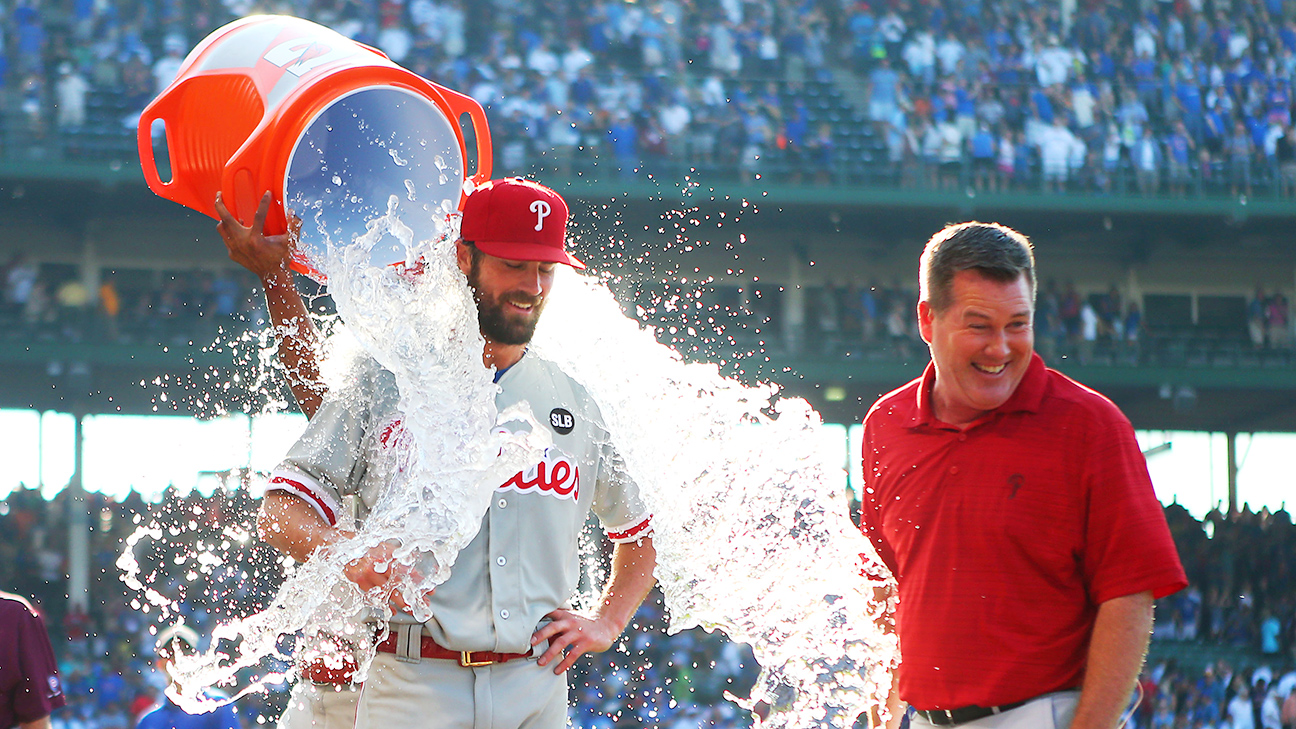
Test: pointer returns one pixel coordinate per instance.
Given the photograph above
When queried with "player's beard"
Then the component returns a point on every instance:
(499, 323)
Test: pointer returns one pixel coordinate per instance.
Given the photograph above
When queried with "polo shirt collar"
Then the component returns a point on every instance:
(1027, 397)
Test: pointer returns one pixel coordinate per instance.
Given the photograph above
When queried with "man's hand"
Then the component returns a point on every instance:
(266, 256)
(575, 634)
(377, 569)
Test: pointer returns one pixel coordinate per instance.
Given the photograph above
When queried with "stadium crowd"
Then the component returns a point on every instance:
(1242, 598)
(105, 653)
(1176, 97)
(51, 302)
(841, 319)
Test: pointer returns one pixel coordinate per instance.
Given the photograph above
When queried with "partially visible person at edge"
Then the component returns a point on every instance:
(30, 689)
(181, 639)
(502, 635)
(1014, 507)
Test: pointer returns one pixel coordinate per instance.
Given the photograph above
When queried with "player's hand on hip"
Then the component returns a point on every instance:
(571, 635)
(264, 255)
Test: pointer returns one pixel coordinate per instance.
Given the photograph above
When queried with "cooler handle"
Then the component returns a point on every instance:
(159, 108)
(242, 187)
(462, 104)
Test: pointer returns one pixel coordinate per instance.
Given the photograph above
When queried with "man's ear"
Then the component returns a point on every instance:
(925, 316)
(463, 256)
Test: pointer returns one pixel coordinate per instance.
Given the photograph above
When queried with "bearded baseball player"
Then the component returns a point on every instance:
(502, 634)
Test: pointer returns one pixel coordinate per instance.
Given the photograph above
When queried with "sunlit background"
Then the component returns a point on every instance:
(150, 454)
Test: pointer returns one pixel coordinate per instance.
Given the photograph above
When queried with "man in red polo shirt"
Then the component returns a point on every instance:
(1015, 509)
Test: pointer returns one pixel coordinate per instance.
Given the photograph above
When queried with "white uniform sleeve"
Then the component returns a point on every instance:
(617, 503)
(327, 462)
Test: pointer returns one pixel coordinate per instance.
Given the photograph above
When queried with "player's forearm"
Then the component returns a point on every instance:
(632, 577)
(287, 523)
(298, 340)
(1116, 651)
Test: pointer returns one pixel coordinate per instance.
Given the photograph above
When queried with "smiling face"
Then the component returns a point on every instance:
(510, 294)
(981, 344)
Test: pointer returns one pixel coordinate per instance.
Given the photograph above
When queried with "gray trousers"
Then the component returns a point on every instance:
(314, 706)
(520, 694)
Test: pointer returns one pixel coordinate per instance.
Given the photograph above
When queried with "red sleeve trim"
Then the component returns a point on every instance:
(283, 483)
(641, 529)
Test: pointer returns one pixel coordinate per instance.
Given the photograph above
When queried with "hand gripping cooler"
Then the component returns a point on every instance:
(333, 128)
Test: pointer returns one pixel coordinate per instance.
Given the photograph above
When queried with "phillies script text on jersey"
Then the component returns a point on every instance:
(555, 475)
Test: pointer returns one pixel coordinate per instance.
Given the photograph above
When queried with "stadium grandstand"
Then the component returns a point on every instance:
(792, 157)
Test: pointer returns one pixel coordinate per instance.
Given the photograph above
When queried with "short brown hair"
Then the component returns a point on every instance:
(995, 251)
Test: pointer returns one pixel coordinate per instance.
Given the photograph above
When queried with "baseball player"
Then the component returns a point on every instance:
(166, 715)
(502, 635)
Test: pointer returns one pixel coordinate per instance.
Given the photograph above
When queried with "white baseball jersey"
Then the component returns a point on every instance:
(524, 562)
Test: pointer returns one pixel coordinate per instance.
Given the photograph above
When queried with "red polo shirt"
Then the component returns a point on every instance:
(1006, 536)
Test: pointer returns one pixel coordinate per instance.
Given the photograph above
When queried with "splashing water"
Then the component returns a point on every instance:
(423, 329)
(751, 537)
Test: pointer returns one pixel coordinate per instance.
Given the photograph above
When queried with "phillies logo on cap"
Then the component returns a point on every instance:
(518, 220)
(542, 211)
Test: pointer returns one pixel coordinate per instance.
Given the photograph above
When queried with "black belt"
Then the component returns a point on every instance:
(950, 717)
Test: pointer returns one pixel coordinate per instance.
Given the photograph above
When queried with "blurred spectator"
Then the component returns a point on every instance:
(73, 298)
(109, 309)
(20, 279)
(1180, 151)
(167, 67)
(1276, 316)
(1147, 157)
(1257, 314)
(1240, 149)
(1055, 144)
(71, 91)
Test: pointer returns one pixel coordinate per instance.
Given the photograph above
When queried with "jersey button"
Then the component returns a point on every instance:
(953, 470)
(500, 561)
(962, 437)
(502, 503)
(504, 614)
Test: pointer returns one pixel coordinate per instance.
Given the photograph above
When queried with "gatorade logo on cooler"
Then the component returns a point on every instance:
(305, 55)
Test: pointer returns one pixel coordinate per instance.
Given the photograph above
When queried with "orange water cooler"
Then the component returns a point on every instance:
(331, 127)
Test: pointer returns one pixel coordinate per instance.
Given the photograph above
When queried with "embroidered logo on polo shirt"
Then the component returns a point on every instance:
(1016, 481)
(562, 420)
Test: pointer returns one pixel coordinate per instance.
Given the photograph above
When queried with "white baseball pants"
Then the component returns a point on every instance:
(320, 706)
(440, 694)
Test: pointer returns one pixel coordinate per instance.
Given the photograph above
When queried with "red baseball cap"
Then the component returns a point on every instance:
(519, 220)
